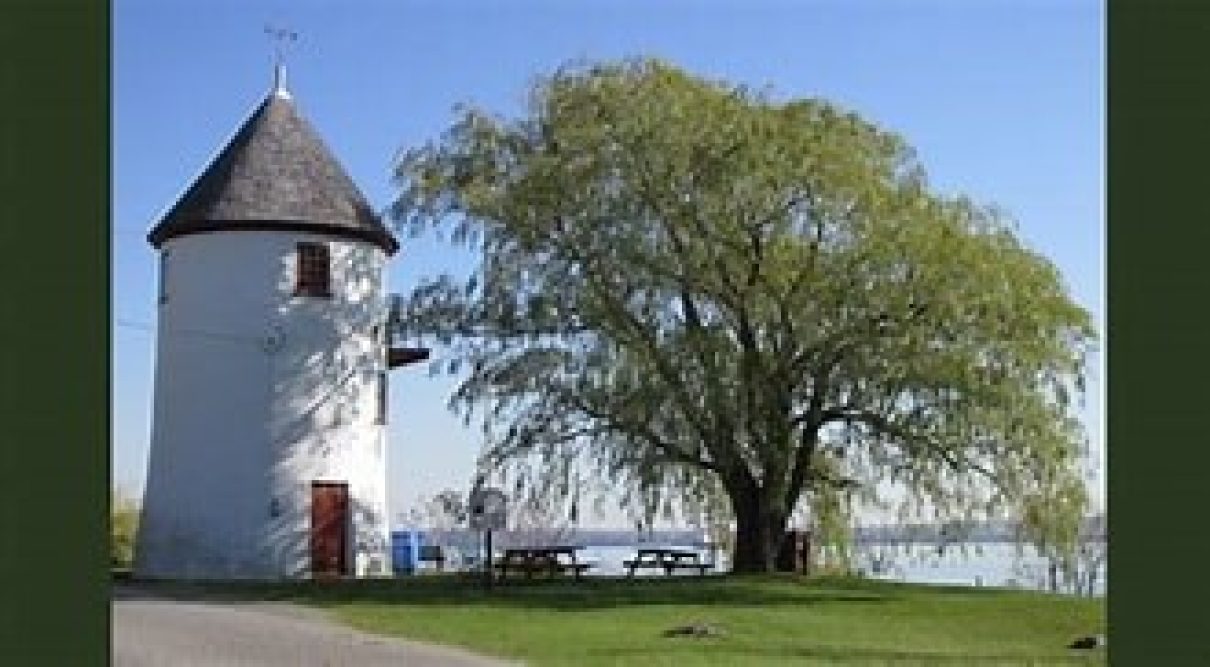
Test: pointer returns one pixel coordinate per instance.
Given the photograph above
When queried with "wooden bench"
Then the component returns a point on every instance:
(432, 554)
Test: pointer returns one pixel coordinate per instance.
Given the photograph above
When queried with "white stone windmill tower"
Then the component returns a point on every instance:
(268, 442)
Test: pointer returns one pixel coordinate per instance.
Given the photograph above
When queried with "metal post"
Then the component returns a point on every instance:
(488, 561)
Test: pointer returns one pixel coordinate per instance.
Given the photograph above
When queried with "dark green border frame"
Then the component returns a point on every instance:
(54, 332)
(1158, 192)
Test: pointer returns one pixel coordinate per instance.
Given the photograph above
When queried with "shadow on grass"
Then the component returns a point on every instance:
(560, 594)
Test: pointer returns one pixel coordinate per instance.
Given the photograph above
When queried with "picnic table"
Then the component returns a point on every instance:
(667, 559)
(530, 560)
(432, 553)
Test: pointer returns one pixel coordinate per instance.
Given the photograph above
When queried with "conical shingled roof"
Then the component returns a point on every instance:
(275, 174)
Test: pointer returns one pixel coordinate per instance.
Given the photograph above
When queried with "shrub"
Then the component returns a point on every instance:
(123, 525)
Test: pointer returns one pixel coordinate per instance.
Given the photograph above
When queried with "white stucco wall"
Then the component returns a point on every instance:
(258, 393)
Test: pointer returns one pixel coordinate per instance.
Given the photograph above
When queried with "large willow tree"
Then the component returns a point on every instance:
(697, 288)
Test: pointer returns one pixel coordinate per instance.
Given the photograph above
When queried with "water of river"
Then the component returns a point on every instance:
(978, 564)
(982, 564)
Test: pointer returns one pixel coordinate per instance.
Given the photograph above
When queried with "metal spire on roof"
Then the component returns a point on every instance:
(280, 36)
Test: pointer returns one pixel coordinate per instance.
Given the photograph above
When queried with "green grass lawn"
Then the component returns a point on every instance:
(770, 620)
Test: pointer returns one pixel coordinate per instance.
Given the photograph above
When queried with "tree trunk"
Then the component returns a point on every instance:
(760, 529)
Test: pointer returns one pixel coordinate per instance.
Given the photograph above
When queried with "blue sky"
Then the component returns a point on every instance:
(1003, 100)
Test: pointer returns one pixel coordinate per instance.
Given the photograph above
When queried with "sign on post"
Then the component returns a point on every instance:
(489, 509)
(488, 512)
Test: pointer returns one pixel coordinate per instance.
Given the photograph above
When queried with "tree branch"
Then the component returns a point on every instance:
(644, 430)
(885, 427)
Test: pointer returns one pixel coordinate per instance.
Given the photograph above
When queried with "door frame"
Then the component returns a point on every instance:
(345, 525)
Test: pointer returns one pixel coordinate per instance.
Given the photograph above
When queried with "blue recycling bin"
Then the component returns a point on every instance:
(405, 550)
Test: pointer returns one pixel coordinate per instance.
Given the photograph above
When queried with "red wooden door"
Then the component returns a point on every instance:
(329, 519)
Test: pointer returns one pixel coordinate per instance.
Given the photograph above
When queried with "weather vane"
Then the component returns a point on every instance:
(280, 37)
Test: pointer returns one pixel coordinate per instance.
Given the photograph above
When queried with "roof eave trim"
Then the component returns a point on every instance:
(379, 237)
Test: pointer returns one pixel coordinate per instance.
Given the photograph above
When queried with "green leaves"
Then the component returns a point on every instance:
(691, 285)
(123, 528)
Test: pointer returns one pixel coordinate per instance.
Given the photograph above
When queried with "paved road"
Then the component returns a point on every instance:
(153, 632)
